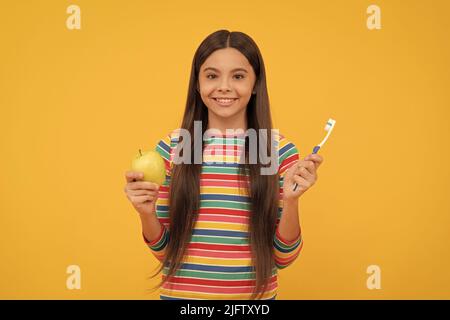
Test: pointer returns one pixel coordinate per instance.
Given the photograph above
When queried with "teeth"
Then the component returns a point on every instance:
(225, 100)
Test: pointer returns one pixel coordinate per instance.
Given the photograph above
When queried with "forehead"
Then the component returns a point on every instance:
(226, 59)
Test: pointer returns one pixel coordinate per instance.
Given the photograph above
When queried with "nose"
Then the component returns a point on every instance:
(224, 86)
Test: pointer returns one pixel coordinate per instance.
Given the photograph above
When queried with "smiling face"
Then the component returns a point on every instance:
(226, 81)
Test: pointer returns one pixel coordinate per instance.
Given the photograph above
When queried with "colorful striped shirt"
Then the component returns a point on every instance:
(218, 262)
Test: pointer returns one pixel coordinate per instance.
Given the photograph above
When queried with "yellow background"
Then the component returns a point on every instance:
(76, 105)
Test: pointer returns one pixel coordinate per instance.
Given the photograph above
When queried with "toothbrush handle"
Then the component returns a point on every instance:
(315, 150)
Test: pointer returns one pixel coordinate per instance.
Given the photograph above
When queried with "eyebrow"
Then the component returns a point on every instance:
(214, 69)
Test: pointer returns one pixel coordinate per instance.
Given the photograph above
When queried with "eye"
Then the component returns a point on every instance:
(240, 75)
(211, 74)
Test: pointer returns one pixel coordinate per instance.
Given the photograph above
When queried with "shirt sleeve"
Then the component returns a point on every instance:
(285, 251)
(158, 246)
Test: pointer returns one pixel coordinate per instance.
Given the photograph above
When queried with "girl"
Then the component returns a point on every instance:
(220, 228)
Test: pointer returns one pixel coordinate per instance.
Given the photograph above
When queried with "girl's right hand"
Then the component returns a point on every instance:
(142, 194)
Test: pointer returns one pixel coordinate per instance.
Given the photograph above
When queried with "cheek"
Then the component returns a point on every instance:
(205, 94)
(206, 87)
(244, 88)
(243, 101)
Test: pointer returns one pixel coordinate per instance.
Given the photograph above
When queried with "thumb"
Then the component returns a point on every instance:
(291, 169)
(133, 176)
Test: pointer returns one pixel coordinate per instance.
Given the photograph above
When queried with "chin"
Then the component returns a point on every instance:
(224, 113)
(225, 110)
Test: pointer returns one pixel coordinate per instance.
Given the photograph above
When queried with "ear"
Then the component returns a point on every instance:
(254, 88)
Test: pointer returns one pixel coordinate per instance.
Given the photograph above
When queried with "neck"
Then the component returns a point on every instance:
(222, 124)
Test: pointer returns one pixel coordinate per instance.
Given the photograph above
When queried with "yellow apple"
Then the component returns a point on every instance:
(151, 164)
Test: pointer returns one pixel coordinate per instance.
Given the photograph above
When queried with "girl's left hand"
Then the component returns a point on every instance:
(304, 173)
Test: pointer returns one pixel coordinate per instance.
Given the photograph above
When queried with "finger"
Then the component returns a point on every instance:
(302, 182)
(309, 165)
(289, 171)
(134, 176)
(142, 192)
(291, 166)
(316, 158)
(304, 172)
(142, 185)
(141, 199)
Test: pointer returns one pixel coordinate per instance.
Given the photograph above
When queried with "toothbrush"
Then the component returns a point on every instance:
(328, 127)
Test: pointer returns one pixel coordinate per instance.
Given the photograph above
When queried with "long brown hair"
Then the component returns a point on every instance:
(184, 190)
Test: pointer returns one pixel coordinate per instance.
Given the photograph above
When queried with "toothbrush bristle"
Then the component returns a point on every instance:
(330, 124)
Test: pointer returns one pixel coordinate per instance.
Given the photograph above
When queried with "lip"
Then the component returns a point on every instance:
(225, 104)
